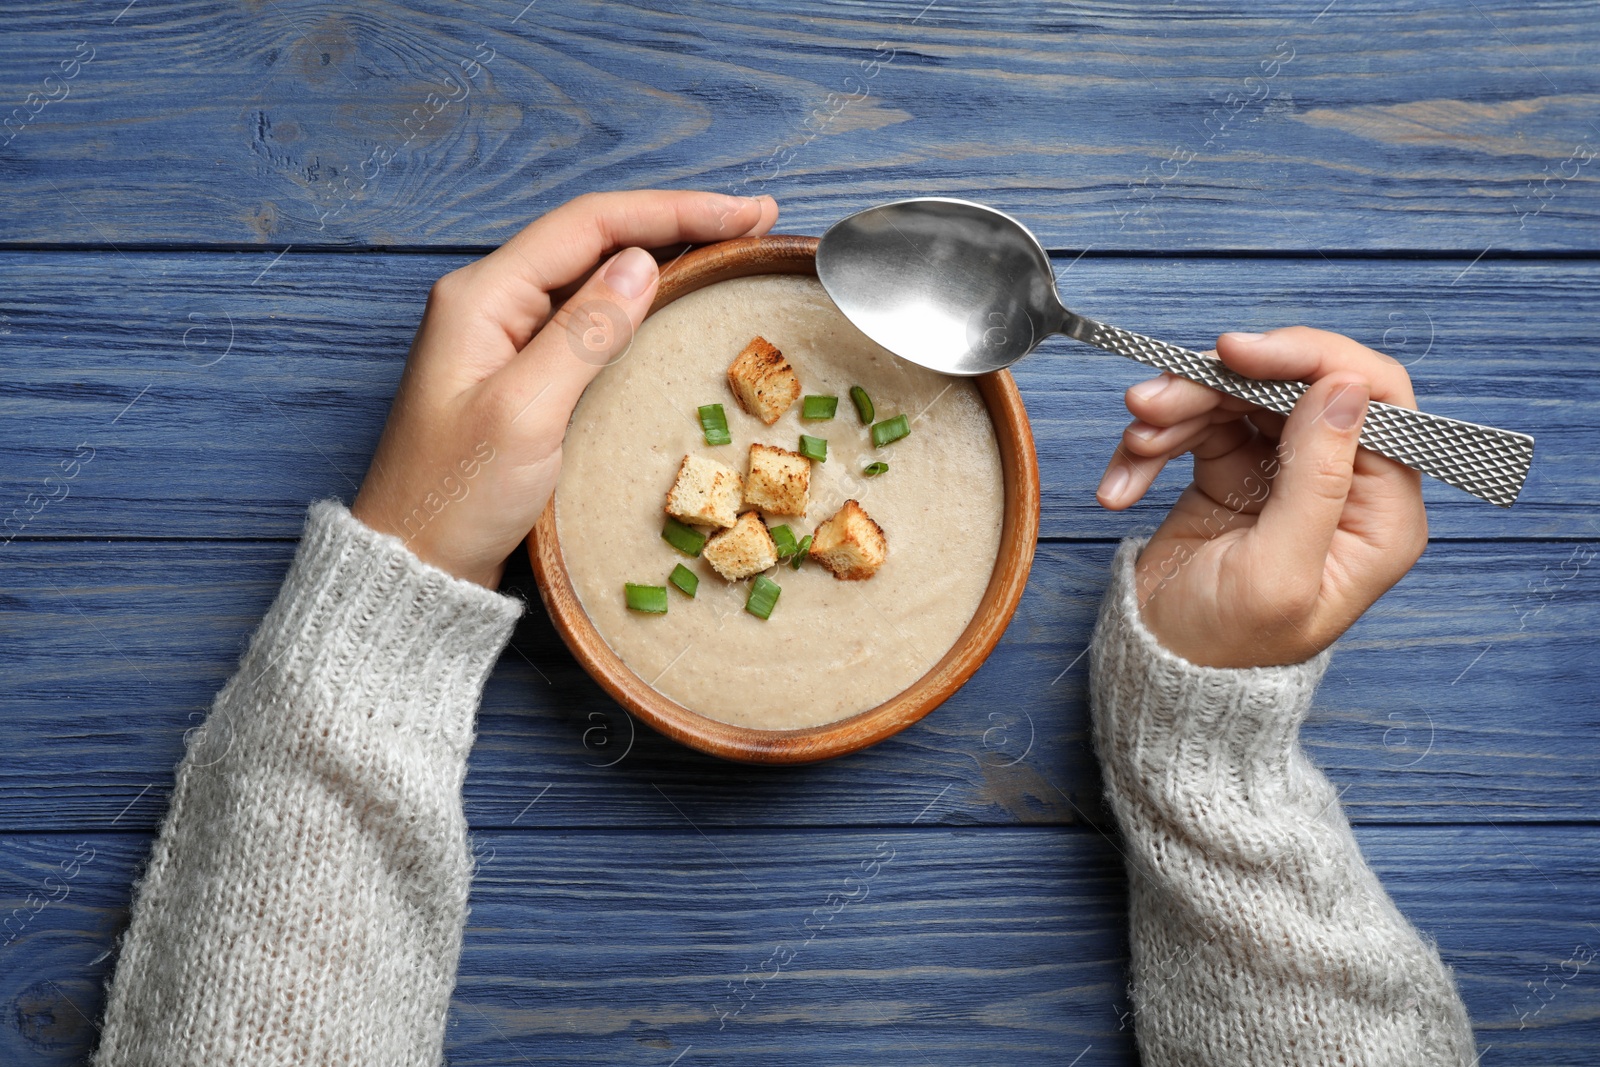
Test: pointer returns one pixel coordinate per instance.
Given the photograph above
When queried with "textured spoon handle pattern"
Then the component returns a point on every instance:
(1489, 463)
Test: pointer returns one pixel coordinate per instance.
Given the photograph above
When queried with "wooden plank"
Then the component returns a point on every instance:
(220, 393)
(115, 650)
(619, 947)
(1265, 126)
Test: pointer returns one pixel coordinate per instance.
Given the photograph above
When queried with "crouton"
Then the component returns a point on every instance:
(741, 551)
(779, 482)
(763, 381)
(850, 544)
(705, 493)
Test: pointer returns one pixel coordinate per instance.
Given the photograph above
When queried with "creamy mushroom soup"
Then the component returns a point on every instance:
(829, 648)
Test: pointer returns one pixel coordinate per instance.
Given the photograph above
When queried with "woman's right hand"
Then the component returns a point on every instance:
(1289, 531)
(472, 448)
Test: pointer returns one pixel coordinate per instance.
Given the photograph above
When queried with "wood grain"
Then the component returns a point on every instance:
(1278, 125)
(624, 881)
(618, 947)
(233, 441)
(1464, 695)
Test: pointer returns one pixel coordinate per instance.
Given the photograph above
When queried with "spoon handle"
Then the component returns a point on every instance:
(1489, 463)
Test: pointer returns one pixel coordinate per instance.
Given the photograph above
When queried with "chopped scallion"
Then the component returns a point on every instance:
(872, 470)
(685, 579)
(783, 538)
(714, 423)
(800, 552)
(763, 597)
(819, 407)
(817, 447)
(863, 404)
(651, 599)
(890, 430)
(683, 538)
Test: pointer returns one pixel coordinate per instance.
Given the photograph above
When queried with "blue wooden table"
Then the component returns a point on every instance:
(219, 223)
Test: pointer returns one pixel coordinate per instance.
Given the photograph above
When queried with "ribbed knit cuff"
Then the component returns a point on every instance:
(360, 616)
(1157, 713)
(304, 902)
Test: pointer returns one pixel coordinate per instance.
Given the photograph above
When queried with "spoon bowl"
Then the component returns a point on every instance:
(948, 284)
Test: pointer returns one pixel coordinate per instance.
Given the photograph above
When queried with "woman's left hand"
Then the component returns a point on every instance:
(1290, 530)
(471, 451)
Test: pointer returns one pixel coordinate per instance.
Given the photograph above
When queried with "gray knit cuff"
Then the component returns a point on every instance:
(1157, 713)
(380, 634)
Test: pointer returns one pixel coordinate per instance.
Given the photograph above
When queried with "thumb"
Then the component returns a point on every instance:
(590, 331)
(1316, 457)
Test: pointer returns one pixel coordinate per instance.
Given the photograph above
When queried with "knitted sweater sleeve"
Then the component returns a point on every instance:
(305, 899)
(1258, 934)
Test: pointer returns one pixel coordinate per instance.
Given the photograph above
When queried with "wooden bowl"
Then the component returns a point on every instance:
(1019, 532)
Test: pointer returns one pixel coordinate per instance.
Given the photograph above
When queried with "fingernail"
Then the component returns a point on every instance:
(631, 272)
(1150, 388)
(1115, 481)
(1346, 407)
(1244, 337)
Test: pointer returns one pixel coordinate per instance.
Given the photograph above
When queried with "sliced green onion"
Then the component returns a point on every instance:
(685, 539)
(685, 579)
(817, 447)
(714, 422)
(872, 470)
(783, 537)
(819, 407)
(800, 552)
(890, 430)
(863, 404)
(651, 599)
(763, 597)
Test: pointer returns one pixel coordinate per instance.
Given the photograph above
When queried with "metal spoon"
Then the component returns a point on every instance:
(964, 289)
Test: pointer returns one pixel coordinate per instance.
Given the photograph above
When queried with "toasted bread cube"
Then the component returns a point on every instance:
(779, 482)
(763, 381)
(850, 544)
(705, 493)
(744, 550)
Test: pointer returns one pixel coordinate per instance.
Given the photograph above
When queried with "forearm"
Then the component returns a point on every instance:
(1258, 933)
(305, 899)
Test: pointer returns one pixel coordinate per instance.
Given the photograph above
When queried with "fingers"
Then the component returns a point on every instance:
(591, 330)
(1174, 416)
(1316, 468)
(561, 247)
(1147, 439)
(1139, 458)
(767, 219)
(1127, 479)
(666, 255)
(1240, 479)
(1168, 399)
(1303, 353)
(1145, 450)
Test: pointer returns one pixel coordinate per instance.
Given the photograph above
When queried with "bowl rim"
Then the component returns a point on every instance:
(1019, 535)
